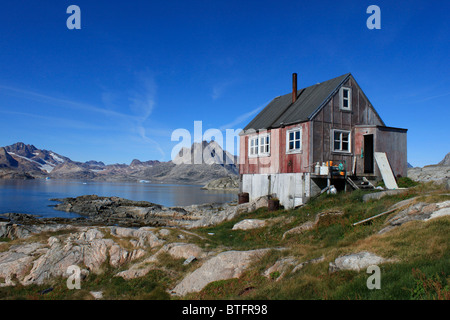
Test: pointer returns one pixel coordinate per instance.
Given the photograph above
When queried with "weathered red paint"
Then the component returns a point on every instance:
(317, 140)
(278, 161)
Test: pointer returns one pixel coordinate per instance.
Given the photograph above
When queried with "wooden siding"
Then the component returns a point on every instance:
(317, 138)
(332, 117)
(278, 161)
(393, 143)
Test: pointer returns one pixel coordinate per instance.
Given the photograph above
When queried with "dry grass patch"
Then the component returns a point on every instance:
(411, 241)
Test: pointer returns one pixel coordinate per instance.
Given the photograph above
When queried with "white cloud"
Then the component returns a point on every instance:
(219, 89)
(60, 122)
(142, 98)
(143, 134)
(243, 117)
(60, 102)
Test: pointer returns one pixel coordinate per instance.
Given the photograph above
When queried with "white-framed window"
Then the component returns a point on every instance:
(294, 140)
(341, 141)
(345, 101)
(253, 146)
(259, 145)
(264, 144)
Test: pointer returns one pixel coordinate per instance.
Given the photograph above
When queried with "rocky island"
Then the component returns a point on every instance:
(118, 211)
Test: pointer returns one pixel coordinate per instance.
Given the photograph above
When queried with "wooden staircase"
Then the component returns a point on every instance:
(360, 183)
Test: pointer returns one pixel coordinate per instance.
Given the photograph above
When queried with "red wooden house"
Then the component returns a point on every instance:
(305, 140)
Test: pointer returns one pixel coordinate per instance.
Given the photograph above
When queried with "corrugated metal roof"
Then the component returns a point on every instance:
(281, 110)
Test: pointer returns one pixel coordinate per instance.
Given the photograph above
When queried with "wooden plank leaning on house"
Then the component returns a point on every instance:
(386, 171)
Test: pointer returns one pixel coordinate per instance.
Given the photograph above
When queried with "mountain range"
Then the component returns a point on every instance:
(199, 164)
(24, 161)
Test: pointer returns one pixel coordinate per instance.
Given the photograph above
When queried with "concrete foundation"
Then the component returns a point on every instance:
(292, 189)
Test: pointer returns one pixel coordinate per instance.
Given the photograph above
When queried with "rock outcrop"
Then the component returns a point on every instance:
(421, 211)
(13, 231)
(287, 265)
(248, 224)
(308, 225)
(85, 247)
(357, 261)
(123, 212)
(16, 262)
(225, 265)
(176, 250)
(230, 183)
(445, 161)
(22, 226)
(144, 237)
(438, 173)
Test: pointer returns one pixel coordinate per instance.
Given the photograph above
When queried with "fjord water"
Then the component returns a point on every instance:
(33, 196)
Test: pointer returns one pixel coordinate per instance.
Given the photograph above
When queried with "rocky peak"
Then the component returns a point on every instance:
(137, 163)
(204, 153)
(6, 160)
(445, 161)
(95, 163)
(22, 149)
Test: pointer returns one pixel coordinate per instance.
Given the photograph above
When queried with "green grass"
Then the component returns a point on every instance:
(224, 236)
(150, 287)
(417, 246)
(421, 279)
(400, 281)
(402, 182)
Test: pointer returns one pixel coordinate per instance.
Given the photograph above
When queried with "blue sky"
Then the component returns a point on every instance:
(137, 70)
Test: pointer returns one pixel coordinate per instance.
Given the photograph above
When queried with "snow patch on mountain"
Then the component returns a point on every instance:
(48, 167)
(56, 158)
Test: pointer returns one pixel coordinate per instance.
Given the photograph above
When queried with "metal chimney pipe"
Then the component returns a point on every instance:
(294, 87)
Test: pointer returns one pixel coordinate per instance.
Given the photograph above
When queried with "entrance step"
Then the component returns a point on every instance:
(360, 183)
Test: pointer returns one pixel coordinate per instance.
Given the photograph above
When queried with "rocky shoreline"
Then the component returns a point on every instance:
(112, 230)
(114, 211)
(108, 211)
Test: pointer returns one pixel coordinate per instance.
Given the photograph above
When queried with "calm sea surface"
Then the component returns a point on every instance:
(32, 196)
